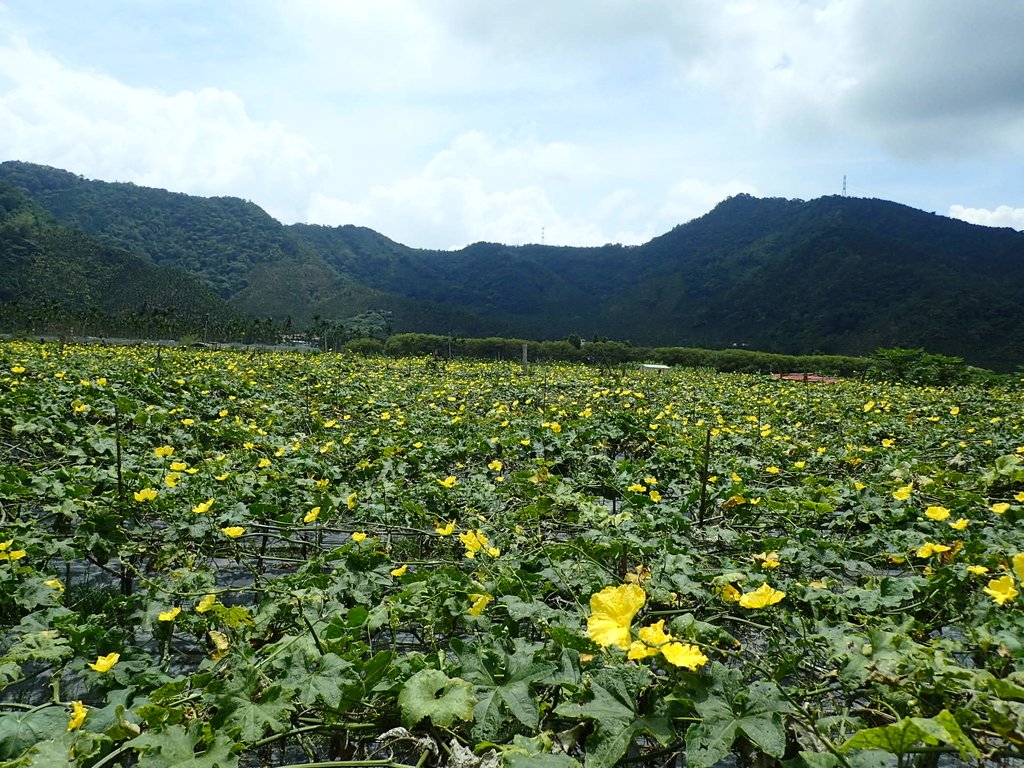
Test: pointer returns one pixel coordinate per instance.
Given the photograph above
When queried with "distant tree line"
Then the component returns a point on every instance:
(913, 366)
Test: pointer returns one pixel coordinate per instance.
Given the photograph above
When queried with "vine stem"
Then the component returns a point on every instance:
(112, 756)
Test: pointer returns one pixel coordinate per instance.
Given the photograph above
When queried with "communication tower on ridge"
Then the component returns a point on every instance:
(844, 185)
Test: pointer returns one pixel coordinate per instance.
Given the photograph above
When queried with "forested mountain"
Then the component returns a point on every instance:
(58, 277)
(834, 275)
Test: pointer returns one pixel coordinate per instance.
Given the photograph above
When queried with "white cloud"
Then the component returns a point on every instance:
(451, 211)
(515, 190)
(448, 122)
(201, 142)
(1003, 216)
(924, 79)
(427, 46)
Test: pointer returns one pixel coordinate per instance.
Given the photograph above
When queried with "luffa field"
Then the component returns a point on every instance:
(219, 558)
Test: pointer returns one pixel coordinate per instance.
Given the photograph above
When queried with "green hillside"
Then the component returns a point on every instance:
(57, 279)
(834, 275)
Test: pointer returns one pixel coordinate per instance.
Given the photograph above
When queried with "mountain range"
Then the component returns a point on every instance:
(835, 275)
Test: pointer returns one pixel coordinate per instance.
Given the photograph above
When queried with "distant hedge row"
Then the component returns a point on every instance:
(612, 353)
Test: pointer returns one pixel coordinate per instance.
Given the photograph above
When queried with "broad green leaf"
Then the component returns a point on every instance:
(901, 736)
(956, 736)
(325, 678)
(53, 753)
(431, 693)
(541, 761)
(617, 722)
(22, 729)
(503, 683)
(897, 739)
(728, 711)
(176, 747)
(47, 645)
(238, 713)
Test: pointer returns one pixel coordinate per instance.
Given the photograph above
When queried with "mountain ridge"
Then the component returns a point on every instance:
(834, 274)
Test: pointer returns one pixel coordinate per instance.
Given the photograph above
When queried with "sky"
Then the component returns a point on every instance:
(440, 123)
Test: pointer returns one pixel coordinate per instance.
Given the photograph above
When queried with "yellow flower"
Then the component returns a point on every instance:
(868, 406)
(772, 470)
(54, 584)
(448, 482)
(1018, 565)
(1019, 496)
(639, 650)
(312, 515)
(7, 554)
(1002, 589)
(681, 655)
(78, 712)
(928, 549)
(729, 593)
(445, 530)
(1000, 507)
(654, 634)
(888, 442)
(400, 570)
(263, 463)
(350, 502)
(977, 570)
(799, 464)
(233, 531)
(220, 643)
(479, 603)
(652, 637)
(359, 536)
(611, 613)
(903, 493)
(768, 559)
(651, 480)
(655, 496)
(936, 513)
(761, 597)
(146, 494)
(206, 603)
(203, 507)
(954, 410)
(495, 466)
(555, 427)
(178, 466)
(104, 663)
(163, 451)
(169, 615)
(18, 369)
(172, 479)
(959, 524)
(637, 488)
(475, 541)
